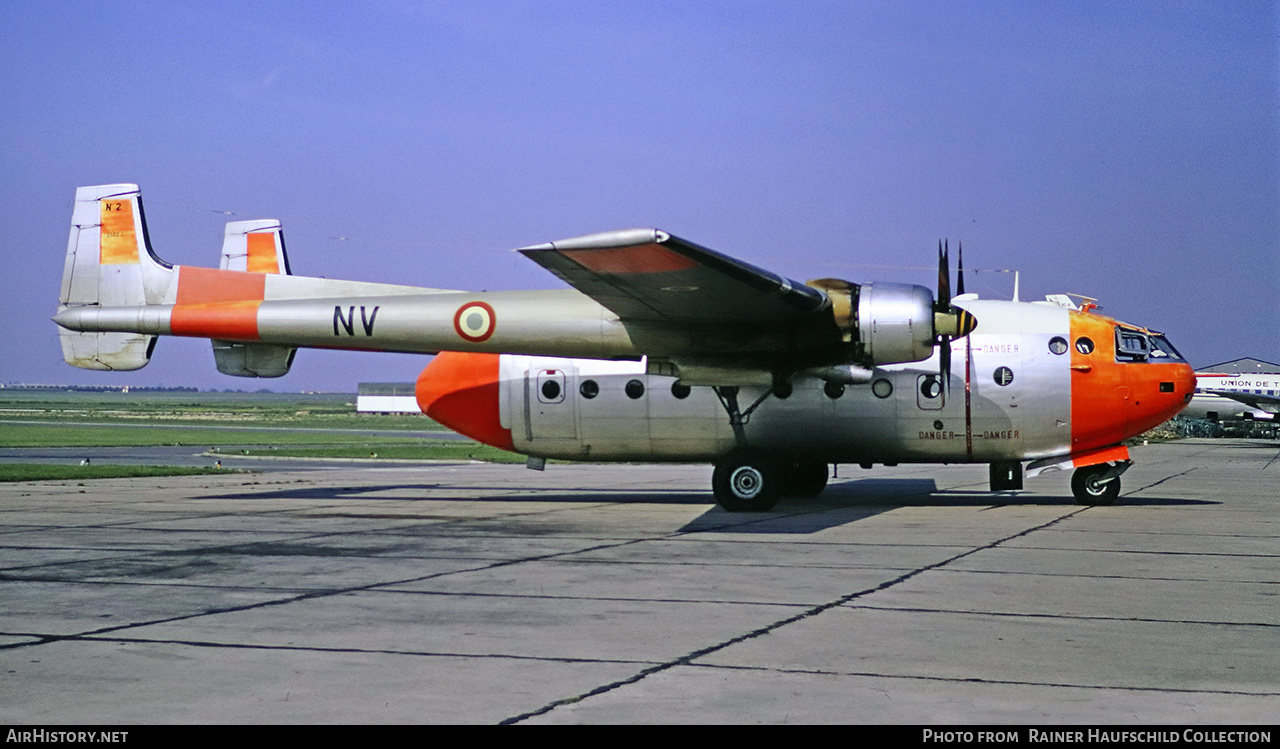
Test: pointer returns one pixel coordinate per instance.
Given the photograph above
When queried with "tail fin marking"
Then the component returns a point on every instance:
(255, 246)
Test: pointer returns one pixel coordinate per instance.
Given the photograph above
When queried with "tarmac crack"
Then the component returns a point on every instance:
(1158, 483)
(1081, 617)
(212, 644)
(310, 595)
(812, 611)
(981, 680)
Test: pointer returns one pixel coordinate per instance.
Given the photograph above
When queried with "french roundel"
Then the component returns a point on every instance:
(474, 322)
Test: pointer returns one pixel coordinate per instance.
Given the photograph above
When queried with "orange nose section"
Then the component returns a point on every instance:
(1158, 392)
(461, 392)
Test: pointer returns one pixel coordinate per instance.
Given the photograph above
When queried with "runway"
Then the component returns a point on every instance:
(476, 593)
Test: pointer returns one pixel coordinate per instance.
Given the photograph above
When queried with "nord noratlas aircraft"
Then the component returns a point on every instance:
(662, 350)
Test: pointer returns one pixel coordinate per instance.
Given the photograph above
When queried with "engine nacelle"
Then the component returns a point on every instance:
(895, 322)
(889, 323)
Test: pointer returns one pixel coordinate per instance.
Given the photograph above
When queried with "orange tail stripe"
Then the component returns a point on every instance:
(216, 303)
(236, 321)
(204, 285)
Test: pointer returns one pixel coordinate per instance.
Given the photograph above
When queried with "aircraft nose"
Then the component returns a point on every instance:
(1187, 382)
(461, 391)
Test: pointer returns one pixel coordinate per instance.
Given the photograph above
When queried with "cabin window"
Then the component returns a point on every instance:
(635, 389)
(550, 385)
(680, 390)
(589, 389)
(1084, 345)
(1058, 345)
(930, 394)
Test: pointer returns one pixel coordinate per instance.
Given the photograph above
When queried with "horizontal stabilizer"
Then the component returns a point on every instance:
(112, 352)
(240, 359)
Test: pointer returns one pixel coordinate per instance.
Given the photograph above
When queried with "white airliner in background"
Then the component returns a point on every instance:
(1226, 396)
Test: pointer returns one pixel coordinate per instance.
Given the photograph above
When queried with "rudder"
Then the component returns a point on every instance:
(110, 264)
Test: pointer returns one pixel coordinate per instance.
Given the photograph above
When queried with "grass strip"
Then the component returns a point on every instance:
(43, 472)
(130, 435)
(418, 450)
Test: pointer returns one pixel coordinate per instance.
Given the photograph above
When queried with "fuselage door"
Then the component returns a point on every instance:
(549, 403)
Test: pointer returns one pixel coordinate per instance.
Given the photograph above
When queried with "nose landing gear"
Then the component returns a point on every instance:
(1097, 485)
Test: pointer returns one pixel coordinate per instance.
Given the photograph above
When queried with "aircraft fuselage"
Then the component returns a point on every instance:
(1021, 389)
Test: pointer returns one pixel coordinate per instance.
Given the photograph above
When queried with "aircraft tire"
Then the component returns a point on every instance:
(1089, 491)
(745, 483)
(804, 478)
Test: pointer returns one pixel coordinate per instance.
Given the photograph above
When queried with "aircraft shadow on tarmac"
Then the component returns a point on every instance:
(841, 503)
(881, 493)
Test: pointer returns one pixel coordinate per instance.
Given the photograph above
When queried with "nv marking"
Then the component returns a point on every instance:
(348, 322)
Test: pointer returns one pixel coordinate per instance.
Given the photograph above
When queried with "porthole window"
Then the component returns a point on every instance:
(551, 390)
(882, 388)
(680, 390)
(589, 389)
(783, 391)
(635, 389)
(1003, 376)
(1084, 345)
(833, 390)
(1058, 345)
(930, 387)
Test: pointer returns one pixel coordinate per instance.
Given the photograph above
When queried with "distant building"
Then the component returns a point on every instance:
(386, 398)
(1247, 365)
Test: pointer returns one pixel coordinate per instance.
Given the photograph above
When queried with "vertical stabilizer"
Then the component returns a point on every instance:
(255, 247)
(110, 264)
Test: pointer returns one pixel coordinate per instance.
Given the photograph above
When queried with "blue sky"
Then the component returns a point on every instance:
(1128, 151)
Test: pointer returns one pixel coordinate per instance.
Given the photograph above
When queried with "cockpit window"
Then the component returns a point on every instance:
(1137, 346)
(1162, 350)
(1131, 345)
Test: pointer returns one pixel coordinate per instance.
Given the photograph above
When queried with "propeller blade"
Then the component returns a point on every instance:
(960, 271)
(944, 278)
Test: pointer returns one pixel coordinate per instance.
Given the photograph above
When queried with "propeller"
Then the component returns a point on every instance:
(949, 322)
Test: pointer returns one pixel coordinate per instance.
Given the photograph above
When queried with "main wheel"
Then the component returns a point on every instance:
(1087, 485)
(745, 483)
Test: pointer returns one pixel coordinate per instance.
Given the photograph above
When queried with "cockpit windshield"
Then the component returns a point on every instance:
(1140, 346)
(1162, 350)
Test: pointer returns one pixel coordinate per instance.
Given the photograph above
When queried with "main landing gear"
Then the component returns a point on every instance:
(753, 482)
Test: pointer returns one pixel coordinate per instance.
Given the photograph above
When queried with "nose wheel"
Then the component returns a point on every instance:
(1096, 485)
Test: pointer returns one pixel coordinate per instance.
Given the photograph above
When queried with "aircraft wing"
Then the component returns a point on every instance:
(1268, 403)
(649, 275)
